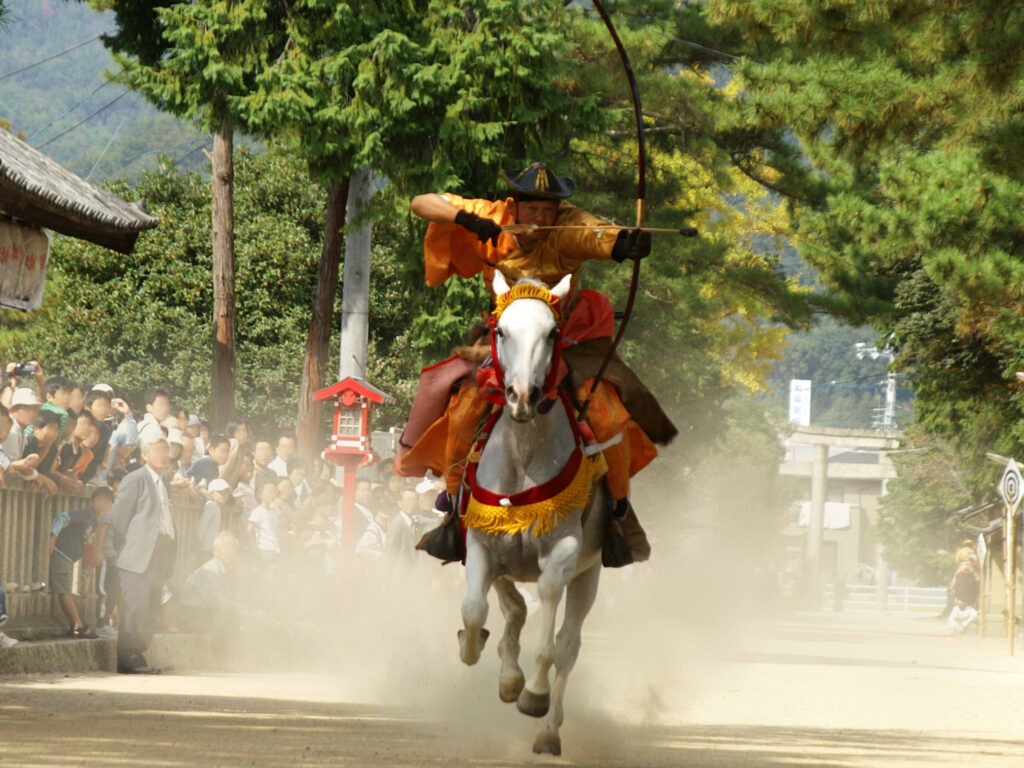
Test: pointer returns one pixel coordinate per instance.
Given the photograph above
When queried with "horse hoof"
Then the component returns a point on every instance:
(548, 743)
(509, 688)
(533, 704)
(472, 656)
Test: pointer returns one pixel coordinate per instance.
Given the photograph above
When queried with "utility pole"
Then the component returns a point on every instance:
(864, 350)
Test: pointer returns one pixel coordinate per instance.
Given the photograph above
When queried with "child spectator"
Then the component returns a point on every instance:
(195, 426)
(67, 545)
(262, 455)
(76, 397)
(207, 469)
(267, 524)
(98, 405)
(76, 455)
(210, 518)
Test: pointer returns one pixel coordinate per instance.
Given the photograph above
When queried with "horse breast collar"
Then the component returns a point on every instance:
(543, 506)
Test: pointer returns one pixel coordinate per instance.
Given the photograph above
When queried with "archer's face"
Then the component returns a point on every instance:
(543, 213)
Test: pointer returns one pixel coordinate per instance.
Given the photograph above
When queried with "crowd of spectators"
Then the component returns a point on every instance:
(263, 508)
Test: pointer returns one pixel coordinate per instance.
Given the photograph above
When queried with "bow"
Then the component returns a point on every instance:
(641, 194)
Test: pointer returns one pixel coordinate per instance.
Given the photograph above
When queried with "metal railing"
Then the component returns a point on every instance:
(899, 599)
(25, 521)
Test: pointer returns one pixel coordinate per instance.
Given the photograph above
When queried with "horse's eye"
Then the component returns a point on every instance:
(498, 332)
(553, 335)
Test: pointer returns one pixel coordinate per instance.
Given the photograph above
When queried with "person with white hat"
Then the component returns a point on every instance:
(24, 408)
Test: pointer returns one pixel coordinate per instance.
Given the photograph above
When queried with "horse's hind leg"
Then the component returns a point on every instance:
(578, 602)
(511, 681)
(479, 577)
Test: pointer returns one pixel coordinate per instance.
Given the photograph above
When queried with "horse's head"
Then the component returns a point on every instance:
(524, 339)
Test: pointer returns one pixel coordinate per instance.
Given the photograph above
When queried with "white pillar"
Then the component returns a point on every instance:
(355, 296)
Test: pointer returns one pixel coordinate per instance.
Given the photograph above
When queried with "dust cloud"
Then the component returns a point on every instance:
(388, 638)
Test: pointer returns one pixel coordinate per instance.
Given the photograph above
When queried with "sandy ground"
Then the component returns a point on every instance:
(813, 689)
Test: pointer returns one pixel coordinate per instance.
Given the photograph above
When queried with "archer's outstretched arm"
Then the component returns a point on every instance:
(434, 207)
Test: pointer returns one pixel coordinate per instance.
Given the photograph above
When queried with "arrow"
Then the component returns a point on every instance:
(522, 229)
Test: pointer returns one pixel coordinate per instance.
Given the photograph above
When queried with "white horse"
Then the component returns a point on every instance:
(526, 448)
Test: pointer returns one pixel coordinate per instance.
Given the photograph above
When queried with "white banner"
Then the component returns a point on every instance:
(24, 253)
(800, 402)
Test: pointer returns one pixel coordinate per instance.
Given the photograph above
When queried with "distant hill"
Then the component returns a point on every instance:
(126, 135)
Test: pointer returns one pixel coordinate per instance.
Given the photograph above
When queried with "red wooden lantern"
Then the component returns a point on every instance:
(351, 444)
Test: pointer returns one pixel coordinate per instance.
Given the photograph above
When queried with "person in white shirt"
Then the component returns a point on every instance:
(285, 452)
(267, 524)
(158, 408)
(961, 617)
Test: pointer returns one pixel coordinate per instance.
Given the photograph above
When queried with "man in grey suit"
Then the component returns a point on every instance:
(141, 519)
(400, 545)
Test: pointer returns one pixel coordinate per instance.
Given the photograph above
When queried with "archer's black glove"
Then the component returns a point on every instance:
(485, 229)
(631, 244)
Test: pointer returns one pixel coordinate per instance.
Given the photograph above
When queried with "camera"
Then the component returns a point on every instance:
(22, 369)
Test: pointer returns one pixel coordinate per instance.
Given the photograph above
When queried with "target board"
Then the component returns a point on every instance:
(1010, 486)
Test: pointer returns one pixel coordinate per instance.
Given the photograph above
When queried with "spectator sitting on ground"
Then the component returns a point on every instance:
(5, 641)
(961, 617)
(208, 602)
(158, 408)
(267, 524)
(285, 453)
(262, 455)
(211, 518)
(24, 408)
(207, 468)
(286, 497)
(67, 545)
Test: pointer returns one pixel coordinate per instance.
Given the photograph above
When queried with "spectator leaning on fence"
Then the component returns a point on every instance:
(97, 405)
(69, 534)
(207, 469)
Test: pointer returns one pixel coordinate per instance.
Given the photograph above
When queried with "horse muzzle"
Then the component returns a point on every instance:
(522, 408)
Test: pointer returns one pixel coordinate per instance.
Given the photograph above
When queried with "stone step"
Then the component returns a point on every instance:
(178, 652)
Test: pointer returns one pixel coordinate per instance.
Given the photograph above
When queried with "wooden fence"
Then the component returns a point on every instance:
(25, 521)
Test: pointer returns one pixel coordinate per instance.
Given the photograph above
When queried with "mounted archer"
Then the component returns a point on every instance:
(551, 239)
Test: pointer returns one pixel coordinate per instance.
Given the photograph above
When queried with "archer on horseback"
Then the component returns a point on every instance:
(552, 238)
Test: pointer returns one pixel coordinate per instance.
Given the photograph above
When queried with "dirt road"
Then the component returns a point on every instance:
(817, 689)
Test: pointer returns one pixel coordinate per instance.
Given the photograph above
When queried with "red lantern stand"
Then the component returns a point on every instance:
(351, 443)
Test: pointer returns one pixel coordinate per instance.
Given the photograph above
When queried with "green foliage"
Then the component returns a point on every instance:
(908, 117)
(141, 320)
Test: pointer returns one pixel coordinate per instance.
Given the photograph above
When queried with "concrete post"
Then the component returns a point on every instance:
(816, 524)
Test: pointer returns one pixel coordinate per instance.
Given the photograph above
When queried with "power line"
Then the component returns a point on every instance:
(130, 158)
(75, 106)
(48, 58)
(698, 46)
(104, 152)
(85, 120)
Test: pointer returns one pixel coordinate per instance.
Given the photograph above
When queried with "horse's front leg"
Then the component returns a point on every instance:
(579, 600)
(557, 569)
(479, 577)
(511, 680)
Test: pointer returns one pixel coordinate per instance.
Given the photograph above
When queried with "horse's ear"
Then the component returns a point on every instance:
(500, 284)
(562, 289)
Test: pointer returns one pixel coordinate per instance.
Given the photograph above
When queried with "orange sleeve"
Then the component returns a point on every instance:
(449, 249)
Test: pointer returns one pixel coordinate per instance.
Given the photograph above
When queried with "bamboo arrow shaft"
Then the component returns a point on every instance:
(522, 229)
